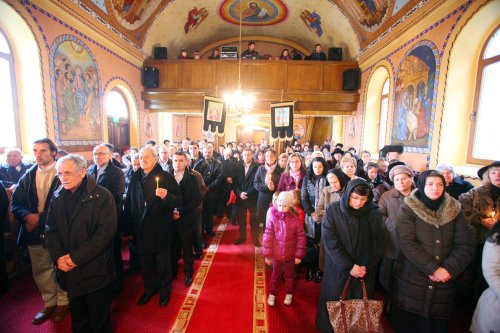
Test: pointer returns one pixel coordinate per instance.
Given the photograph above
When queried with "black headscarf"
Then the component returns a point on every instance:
(368, 206)
(420, 193)
(341, 176)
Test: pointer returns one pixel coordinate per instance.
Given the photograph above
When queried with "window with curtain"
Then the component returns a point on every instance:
(384, 105)
(485, 117)
(9, 126)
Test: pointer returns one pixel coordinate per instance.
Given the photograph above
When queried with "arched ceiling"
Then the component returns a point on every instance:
(193, 24)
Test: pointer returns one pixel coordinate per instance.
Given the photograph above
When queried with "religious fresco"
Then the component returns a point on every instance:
(414, 98)
(253, 13)
(398, 4)
(369, 13)
(194, 18)
(312, 21)
(76, 92)
(100, 4)
(133, 13)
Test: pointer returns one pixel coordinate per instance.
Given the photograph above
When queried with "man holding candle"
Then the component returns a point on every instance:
(149, 205)
(478, 205)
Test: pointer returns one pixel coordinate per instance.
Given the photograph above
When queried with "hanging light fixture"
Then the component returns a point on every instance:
(238, 103)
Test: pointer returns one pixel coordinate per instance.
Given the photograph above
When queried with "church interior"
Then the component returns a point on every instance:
(422, 74)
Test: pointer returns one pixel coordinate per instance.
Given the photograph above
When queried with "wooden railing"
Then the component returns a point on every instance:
(316, 86)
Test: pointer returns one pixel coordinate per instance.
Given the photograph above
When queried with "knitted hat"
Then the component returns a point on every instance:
(399, 169)
(285, 199)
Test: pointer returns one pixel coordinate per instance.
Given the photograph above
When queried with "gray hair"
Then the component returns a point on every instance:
(445, 166)
(105, 146)
(133, 157)
(12, 150)
(149, 149)
(78, 161)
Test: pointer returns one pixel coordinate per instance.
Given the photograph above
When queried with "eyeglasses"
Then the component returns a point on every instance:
(99, 154)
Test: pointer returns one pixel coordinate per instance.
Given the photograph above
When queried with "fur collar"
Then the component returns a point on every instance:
(446, 213)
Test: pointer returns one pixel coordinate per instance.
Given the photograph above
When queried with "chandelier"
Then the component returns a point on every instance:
(238, 103)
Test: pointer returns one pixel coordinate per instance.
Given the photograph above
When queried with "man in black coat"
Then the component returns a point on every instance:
(246, 196)
(149, 205)
(111, 178)
(30, 204)
(317, 54)
(14, 167)
(185, 215)
(229, 164)
(80, 227)
(214, 180)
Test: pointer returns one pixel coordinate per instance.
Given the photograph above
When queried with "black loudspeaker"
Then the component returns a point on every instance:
(350, 79)
(160, 53)
(150, 77)
(335, 54)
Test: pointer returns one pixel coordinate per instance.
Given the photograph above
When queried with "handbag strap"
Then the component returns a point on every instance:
(366, 307)
(343, 296)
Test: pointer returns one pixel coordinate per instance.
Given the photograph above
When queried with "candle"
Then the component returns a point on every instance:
(157, 182)
(493, 213)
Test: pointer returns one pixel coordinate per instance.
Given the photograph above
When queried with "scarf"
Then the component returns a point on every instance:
(270, 169)
(420, 194)
(296, 176)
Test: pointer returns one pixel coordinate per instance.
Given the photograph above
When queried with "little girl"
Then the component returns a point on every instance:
(284, 245)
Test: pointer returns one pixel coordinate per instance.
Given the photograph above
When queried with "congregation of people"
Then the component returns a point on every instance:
(428, 242)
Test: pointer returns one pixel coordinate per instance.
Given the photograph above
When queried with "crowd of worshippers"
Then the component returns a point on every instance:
(429, 241)
(252, 53)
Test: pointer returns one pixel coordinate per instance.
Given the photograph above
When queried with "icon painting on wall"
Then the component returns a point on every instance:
(76, 92)
(133, 13)
(312, 21)
(415, 87)
(253, 13)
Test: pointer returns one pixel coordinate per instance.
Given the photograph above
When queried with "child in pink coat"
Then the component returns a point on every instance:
(284, 245)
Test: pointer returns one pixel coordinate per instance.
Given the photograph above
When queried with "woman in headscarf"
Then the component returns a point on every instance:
(436, 246)
(353, 237)
(312, 185)
(478, 206)
(390, 202)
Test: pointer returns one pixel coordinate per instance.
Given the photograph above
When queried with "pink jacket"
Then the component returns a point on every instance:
(284, 238)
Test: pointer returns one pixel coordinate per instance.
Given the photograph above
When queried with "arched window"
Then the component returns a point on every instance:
(485, 136)
(384, 106)
(116, 105)
(9, 126)
(117, 111)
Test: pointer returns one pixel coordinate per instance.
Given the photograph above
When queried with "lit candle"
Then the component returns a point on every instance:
(157, 182)
(493, 213)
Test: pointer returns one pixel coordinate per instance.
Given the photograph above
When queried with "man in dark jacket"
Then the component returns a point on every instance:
(149, 205)
(80, 226)
(14, 167)
(213, 179)
(30, 204)
(185, 216)
(111, 178)
(229, 164)
(246, 197)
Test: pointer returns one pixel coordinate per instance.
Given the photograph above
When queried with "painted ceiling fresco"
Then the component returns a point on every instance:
(194, 23)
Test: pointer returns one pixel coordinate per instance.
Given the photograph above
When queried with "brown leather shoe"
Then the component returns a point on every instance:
(61, 313)
(43, 315)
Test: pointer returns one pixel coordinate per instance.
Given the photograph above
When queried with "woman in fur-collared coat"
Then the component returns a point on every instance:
(436, 246)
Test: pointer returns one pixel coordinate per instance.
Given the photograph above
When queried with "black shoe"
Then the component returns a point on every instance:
(198, 256)
(309, 275)
(146, 297)
(239, 241)
(319, 276)
(188, 280)
(164, 300)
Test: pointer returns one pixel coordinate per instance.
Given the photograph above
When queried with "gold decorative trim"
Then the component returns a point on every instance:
(189, 304)
(260, 324)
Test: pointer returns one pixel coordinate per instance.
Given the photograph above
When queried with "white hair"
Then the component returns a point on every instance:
(78, 161)
(148, 149)
(445, 166)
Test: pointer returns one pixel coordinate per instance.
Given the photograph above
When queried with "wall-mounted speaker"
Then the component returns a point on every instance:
(150, 77)
(350, 79)
(160, 53)
(335, 54)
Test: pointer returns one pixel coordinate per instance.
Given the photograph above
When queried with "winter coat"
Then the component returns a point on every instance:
(112, 179)
(10, 176)
(87, 237)
(458, 187)
(284, 237)
(476, 205)
(191, 199)
(149, 216)
(389, 204)
(287, 182)
(214, 179)
(343, 251)
(265, 195)
(25, 201)
(486, 318)
(327, 197)
(309, 191)
(429, 240)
